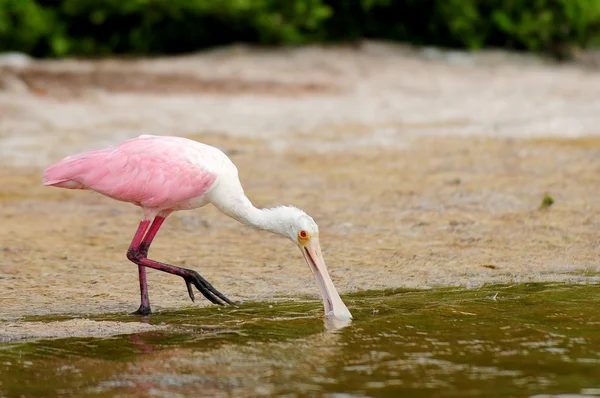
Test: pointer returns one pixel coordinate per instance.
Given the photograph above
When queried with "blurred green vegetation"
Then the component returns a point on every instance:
(100, 27)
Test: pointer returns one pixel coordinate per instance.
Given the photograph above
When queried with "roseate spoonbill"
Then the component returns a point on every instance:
(166, 174)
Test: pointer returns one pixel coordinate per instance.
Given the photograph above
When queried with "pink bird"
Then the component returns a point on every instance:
(166, 174)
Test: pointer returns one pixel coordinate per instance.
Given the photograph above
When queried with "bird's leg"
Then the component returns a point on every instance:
(143, 251)
(191, 277)
(147, 241)
(139, 256)
(133, 248)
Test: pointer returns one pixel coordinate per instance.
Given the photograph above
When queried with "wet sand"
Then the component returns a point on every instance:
(432, 190)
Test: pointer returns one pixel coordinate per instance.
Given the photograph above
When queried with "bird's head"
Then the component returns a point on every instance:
(298, 226)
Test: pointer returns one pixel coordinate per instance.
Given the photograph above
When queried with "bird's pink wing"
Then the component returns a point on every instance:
(151, 173)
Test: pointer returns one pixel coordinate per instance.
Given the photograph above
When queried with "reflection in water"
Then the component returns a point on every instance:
(140, 344)
(532, 339)
(334, 324)
(256, 368)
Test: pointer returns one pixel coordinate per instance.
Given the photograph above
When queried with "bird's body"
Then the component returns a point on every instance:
(166, 174)
(141, 171)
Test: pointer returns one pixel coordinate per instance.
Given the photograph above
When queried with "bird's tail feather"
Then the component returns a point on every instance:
(67, 172)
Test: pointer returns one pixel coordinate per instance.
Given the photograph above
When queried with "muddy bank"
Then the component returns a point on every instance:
(420, 172)
(292, 98)
(14, 331)
(443, 211)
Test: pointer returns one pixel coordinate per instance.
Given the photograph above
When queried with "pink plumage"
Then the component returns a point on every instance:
(152, 172)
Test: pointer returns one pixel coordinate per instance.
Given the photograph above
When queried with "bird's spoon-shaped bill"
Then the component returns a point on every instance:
(334, 306)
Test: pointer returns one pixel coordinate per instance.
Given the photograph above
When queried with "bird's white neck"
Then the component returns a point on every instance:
(241, 209)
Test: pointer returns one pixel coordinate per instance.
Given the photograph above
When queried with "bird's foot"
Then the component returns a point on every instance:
(143, 310)
(207, 290)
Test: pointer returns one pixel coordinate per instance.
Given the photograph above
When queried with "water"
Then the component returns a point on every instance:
(495, 341)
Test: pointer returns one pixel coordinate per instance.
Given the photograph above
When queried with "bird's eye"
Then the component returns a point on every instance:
(303, 237)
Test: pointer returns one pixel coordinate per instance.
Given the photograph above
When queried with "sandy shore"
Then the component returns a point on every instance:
(421, 171)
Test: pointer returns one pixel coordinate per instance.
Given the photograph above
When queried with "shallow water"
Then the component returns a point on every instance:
(496, 341)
